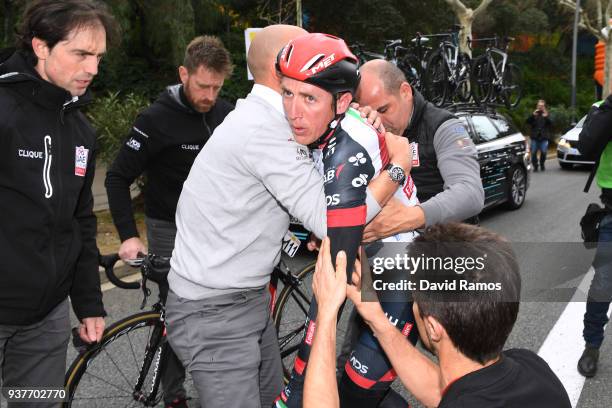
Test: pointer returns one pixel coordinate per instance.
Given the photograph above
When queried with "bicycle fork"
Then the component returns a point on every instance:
(157, 337)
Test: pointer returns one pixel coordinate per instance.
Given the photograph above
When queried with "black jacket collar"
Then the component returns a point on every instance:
(18, 73)
(418, 107)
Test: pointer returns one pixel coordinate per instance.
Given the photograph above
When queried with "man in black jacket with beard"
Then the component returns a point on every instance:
(47, 226)
(163, 143)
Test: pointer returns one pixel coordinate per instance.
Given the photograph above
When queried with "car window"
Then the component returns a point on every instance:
(484, 128)
(466, 125)
(504, 126)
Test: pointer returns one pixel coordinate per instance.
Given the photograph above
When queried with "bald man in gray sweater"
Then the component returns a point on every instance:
(231, 217)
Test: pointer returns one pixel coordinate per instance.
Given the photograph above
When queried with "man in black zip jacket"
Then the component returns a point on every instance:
(163, 144)
(47, 226)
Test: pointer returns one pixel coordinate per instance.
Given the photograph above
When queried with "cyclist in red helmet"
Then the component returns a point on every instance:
(319, 78)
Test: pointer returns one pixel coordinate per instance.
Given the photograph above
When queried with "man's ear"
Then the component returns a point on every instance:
(183, 74)
(343, 102)
(405, 91)
(41, 49)
(434, 329)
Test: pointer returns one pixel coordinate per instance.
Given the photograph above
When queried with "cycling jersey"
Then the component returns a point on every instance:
(351, 155)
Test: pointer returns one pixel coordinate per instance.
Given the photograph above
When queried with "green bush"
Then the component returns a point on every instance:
(113, 116)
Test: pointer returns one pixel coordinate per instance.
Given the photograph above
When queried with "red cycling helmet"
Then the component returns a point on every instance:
(322, 60)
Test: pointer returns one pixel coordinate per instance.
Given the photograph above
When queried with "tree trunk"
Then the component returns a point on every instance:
(466, 20)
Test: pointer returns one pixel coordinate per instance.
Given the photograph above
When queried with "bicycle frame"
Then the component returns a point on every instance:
(450, 52)
(392, 50)
(160, 363)
(499, 75)
(421, 50)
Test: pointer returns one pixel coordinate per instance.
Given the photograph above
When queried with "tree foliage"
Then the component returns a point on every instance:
(595, 16)
(155, 33)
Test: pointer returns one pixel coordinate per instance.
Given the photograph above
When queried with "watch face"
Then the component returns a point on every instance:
(397, 174)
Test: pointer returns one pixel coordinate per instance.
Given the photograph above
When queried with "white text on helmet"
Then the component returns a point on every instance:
(323, 64)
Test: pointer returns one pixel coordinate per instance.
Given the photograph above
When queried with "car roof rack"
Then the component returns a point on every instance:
(472, 107)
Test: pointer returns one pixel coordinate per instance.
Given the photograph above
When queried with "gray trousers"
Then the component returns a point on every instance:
(35, 355)
(229, 346)
(160, 236)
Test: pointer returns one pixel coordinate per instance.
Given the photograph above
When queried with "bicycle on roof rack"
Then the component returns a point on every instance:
(395, 53)
(362, 55)
(415, 60)
(447, 73)
(494, 79)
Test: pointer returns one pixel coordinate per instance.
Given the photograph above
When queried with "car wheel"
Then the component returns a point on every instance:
(566, 166)
(517, 188)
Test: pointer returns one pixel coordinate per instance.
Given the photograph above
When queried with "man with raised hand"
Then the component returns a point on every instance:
(465, 329)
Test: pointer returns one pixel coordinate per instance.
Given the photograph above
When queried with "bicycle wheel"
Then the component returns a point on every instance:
(436, 79)
(480, 78)
(410, 66)
(107, 374)
(290, 317)
(462, 90)
(511, 89)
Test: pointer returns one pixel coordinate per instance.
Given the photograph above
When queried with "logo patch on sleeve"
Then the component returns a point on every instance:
(133, 144)
(416, 162)
(80, 161)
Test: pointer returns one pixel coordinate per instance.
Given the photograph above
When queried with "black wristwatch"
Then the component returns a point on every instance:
(396, 173)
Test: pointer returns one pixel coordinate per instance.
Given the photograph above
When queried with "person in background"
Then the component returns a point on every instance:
(163, 144)
(541, 132)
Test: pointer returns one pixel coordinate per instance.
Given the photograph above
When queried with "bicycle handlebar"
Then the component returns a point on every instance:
(108, 263)
(392, 43)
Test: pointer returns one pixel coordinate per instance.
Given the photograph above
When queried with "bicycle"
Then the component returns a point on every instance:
(395, 53)
(447, 73)
(400, 56)
(415, 61)
(102, 366)
(290, 318)
(492, 80)
(362, 55)
(126, 365)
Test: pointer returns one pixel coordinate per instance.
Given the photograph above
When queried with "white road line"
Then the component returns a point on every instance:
(130, 278)
(564, 344)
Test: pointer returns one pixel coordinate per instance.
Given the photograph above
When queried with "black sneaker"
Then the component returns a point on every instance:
(587, 365)
(535, 169)
(542, 166)
(178, 403)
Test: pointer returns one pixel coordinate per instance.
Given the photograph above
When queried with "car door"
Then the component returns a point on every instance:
(490, 157)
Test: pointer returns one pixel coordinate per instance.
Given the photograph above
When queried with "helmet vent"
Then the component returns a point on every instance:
(289, 52)
(312, 62)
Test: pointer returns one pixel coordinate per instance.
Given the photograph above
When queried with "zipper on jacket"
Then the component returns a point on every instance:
(206, 126)
(60, 188)
(47, 168)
